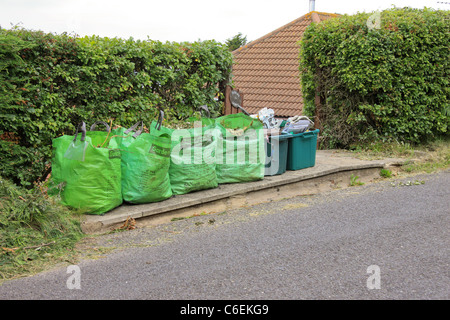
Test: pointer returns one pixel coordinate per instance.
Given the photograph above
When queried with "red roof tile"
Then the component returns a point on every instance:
(266, 70)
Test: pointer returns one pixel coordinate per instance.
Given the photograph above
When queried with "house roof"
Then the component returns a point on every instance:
(266, 70)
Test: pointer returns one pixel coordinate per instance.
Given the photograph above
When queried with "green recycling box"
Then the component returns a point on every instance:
(302, 150)
(276, 155)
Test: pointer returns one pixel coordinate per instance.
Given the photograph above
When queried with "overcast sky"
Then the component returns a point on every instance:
(177, 20)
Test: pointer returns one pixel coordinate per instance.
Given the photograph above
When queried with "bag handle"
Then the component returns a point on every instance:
(99, 122)
(133, 128)
(205, 107)
(81, 126)
(160, 120)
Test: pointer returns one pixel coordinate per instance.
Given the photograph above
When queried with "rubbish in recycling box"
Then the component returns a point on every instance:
(302, 150)
(297, 124)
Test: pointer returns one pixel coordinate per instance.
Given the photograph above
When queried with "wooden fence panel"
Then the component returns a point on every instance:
(229, 109)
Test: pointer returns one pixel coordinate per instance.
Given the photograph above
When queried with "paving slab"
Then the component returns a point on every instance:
(330, 166)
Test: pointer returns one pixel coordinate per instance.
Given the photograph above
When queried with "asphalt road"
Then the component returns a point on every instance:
(387, 240)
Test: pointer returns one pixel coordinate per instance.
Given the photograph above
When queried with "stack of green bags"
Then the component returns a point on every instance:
(97, 171)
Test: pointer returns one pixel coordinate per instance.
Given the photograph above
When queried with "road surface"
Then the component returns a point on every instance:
(387, 240)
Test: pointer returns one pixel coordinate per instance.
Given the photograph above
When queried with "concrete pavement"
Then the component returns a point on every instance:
(333, 169)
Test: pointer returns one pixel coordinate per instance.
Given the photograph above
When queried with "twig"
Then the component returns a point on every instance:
(38, 246)
(129, 224)
(29, 247)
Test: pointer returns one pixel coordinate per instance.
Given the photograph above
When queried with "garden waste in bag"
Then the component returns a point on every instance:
(86, 170)
(145, 165)
(240, 149)
(192, 158)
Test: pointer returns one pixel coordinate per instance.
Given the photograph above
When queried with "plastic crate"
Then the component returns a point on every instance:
(276, 155)
(302, 150)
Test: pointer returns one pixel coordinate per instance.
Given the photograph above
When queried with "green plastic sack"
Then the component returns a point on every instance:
(86, 169)
(145, 165)
(206, 121)
(240, 149)
(192, 157)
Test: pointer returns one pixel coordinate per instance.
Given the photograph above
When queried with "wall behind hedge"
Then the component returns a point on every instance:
(390, 82)
(49, 83)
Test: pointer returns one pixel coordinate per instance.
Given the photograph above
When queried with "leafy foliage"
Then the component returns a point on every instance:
(49, 83)
(390, 82)
(236, 42)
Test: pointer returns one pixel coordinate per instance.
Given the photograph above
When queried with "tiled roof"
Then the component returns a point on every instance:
(266, 70)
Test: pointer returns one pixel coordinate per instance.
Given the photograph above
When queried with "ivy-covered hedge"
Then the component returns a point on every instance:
(49, 83)
(386, 81)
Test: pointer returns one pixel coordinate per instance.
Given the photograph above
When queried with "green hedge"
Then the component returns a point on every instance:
(390, 82)
(49, 83)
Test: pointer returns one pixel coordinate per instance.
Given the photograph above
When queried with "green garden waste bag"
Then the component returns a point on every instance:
(206, 121)
(86, 171)
(192, 157)
(145, 165)
(240, 149)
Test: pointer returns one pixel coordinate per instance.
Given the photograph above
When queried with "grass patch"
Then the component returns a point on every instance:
(35, 231)
(354, 181)
(435, 157)
(386, 173)
(381, 150)
(425, 158)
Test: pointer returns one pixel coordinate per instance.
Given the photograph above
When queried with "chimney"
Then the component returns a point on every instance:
(312, 5)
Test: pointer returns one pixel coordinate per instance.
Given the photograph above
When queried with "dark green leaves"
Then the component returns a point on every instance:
(49, 83)
(390, 82)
